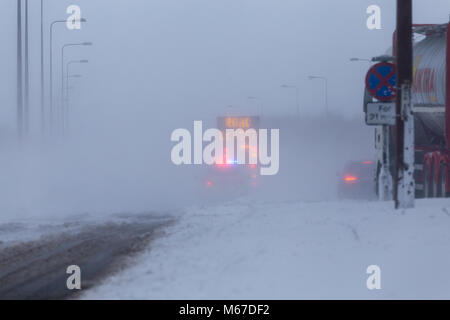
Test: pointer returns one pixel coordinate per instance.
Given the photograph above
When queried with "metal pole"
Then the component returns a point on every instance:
(51, 74)
(67, 93)
(62, 87)
(42, 70)
(66, 118)
(27, 75)
(326, 96)
(19, 70)
(51, 79)
(404, 182)
(63, 106)
(67, 78)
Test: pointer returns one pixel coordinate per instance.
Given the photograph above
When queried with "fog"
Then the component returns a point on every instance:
(156, 66)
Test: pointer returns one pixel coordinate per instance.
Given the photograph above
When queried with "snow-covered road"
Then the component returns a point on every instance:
(34, 255)
(293, 250)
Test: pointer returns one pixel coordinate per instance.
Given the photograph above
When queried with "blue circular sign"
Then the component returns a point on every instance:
(381, 81)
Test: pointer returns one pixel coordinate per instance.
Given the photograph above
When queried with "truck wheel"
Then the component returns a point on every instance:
(442, 181)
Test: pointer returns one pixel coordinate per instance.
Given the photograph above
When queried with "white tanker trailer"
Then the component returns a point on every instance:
(431, 106)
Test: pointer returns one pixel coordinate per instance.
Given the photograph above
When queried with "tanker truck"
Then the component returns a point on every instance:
(431, 107)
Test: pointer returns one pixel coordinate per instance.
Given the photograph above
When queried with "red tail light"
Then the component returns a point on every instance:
(350, 178)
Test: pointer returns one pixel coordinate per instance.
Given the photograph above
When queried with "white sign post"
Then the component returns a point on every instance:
(384, 114)
(406, 184)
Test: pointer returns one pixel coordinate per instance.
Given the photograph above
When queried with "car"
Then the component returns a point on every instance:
(357, 180)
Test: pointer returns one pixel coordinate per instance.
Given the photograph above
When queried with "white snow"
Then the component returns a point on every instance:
(23, 229)
(293, 250)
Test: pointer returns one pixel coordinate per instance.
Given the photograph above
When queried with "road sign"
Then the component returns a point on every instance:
(381, 81)
(380, 113)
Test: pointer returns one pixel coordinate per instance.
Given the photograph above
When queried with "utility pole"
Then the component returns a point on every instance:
(404, 164)
(26, 75)
(19, 71)
(42, 70)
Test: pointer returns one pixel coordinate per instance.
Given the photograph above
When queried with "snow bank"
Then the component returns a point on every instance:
(293, 250)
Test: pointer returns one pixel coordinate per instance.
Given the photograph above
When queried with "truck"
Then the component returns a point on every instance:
(230, 177)
(431, 107)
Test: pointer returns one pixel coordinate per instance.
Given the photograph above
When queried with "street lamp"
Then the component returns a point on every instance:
(326, 89)
(260, 103)
(72, 62)
(62, 65)
(51, 64)
(297, 94)
(65, 116)
(359, 59)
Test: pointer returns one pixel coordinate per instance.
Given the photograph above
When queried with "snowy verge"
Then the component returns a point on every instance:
(293, 250)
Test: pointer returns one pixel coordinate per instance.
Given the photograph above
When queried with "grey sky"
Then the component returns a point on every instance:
(198, 56)
(157, 65)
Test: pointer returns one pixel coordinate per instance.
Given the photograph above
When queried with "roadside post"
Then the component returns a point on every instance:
(380, 84)
(404, 181)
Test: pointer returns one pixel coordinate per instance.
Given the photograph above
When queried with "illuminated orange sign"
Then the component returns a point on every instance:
(237, 122)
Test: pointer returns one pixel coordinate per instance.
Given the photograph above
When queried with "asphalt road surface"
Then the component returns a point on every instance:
(37, 269)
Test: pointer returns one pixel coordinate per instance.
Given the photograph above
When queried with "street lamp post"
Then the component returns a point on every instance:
(260, 104)
(326, 89)
(42, 70)
(26, 97)
(67, 98)
(67, 69)
(297, 96)
(65, 118)
(51, 74)
(51, 66)
(62, 68)
(19, 70)
(67, 84)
